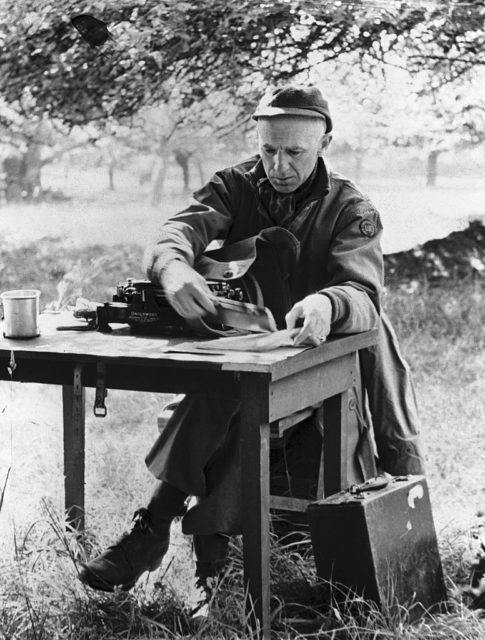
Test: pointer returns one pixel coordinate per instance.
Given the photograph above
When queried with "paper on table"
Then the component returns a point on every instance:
(250, 342)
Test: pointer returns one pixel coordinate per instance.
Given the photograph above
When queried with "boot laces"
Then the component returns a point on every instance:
(142, 523)
(142, 520)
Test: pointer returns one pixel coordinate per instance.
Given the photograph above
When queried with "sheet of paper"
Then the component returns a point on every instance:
(254, 342)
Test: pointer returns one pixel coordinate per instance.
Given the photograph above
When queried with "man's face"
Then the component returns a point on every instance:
(289, 147)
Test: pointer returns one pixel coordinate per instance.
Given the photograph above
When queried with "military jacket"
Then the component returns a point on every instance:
(338, 228)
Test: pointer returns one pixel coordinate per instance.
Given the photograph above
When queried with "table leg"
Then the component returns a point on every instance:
(73, 406)
(335, 445)
(255, 432)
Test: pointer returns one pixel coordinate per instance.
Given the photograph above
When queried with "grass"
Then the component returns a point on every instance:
(442, 335)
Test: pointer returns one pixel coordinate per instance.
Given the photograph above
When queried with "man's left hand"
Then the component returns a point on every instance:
(316, 312)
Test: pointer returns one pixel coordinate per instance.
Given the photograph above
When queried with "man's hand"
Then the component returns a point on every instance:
(186, 290)
(316, 312)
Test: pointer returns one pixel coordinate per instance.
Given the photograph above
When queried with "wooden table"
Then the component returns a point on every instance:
(270, 386)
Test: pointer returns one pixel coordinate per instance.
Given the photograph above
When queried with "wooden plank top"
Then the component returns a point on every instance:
(157, 351)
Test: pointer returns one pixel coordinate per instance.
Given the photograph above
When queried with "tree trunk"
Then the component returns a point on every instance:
(158, 182)
(160, 172)
(182, 159)
(111, 173)
(33, 164)
(22, 174)
(201, 171)
(13, 168)
(432, 168)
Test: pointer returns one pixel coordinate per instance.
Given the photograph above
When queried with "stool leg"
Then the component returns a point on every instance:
(335, 445)
(321, 475)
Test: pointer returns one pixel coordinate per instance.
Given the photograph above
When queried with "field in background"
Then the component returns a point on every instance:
(411, 212)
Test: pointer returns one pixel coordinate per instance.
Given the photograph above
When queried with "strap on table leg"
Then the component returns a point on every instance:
(99, 408)
(73, 402)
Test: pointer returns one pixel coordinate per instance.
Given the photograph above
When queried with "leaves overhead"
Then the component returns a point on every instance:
(164, 49)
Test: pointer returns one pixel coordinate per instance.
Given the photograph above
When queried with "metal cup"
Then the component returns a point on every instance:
(21, 313)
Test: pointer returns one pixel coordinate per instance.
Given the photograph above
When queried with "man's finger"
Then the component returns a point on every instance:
(312, 332)
(305, 333)
(204, 300)
(193, 301)
(187, 306)
(182, 307)
(293, 315)
(302, 338)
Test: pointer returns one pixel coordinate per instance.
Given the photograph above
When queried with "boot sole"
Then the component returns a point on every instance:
(90, 579)
(95, 581)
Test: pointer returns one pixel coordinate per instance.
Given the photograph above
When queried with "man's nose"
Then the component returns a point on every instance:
(281, 163)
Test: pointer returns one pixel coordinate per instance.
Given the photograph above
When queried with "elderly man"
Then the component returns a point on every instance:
(336, 287)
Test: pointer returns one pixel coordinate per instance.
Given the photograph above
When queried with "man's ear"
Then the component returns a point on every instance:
(325, 142)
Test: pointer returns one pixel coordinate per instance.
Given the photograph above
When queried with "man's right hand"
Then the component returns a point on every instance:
(186, 290)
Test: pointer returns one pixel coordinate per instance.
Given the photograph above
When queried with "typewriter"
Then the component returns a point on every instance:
(144, 307)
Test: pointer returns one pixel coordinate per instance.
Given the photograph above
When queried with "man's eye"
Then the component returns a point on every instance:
(270, 152)
(294, 152)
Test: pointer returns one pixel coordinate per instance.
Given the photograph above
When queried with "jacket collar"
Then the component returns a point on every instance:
(320, 179)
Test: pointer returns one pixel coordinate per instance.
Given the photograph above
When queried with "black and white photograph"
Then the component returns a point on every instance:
(242, 273)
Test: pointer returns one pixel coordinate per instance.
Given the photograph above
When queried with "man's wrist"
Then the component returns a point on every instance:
(333, 306)
(161, 269)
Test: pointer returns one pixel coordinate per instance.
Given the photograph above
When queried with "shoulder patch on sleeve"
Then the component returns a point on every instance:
(368, 228)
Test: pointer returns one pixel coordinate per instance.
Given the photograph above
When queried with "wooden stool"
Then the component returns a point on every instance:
(282, 430)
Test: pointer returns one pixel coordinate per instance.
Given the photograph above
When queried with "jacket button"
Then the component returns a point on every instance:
(227, 274)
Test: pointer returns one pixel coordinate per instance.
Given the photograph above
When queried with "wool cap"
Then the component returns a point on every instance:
(295, 100)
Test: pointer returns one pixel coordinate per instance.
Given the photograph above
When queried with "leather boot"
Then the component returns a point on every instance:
(210, 555)
(140, 550)
(204, 590)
